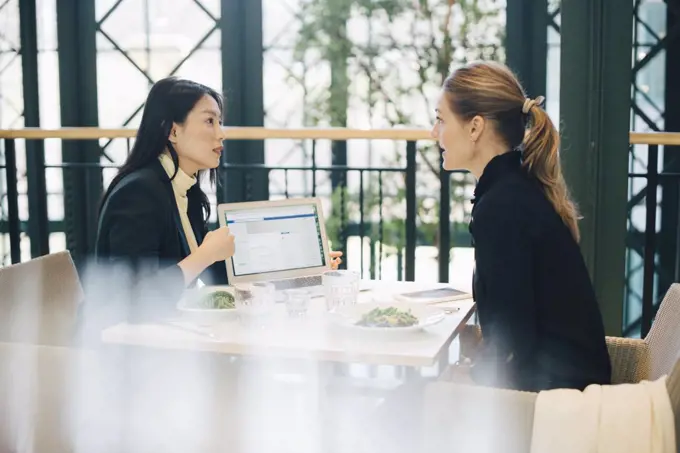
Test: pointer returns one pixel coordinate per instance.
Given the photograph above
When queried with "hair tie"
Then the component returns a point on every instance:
(529, 103)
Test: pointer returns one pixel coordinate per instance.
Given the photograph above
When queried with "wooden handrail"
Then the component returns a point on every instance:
(233, 133)
(655, 138)
(261, 133)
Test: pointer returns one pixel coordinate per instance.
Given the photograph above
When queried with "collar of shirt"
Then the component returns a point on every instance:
(182, 182)
(495, 170)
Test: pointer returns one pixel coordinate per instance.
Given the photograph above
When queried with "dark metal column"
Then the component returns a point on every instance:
(338, 56)
(594, 109)
(668, 246)
(648, 295)
(38, 225)
(14, 224)
(76, 33)
(253, 107)
(411, 212)
(241, 24)
(526, 43)
(444, 223)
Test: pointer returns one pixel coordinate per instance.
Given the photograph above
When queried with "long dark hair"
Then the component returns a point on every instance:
(170, 101)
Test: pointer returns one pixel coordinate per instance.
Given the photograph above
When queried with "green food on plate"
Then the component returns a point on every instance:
(387, 317)
(220, 300)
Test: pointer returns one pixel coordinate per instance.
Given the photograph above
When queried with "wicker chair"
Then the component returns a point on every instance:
(632, 359)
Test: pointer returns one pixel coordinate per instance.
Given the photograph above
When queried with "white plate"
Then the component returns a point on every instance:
(187, 307)
(348, 316)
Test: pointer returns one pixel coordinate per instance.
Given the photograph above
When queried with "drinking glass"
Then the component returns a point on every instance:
(341, 288)
(297, 302)
(254, 300)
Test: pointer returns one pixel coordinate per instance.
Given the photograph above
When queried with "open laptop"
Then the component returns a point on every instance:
(281, 241)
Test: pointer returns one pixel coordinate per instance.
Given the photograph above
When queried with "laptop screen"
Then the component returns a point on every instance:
(274, 239)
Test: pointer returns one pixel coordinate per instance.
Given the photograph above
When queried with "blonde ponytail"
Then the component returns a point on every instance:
(491, 90)
(542, 159)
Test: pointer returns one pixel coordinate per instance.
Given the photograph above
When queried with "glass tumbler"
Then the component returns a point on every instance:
(341, 288)
(297, 302)
(255, 300)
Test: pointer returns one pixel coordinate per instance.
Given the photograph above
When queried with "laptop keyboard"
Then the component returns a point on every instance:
(300, 282)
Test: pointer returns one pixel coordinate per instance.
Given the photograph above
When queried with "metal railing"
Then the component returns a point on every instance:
(654, 178)
(364, 227)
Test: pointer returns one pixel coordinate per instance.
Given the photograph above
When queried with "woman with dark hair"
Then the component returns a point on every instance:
(540, 321)
(153, 217)
(152, 234)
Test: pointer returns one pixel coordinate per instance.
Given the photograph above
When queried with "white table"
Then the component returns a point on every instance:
(323, 389)
(312, 337)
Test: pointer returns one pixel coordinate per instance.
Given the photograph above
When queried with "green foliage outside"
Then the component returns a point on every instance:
(434, 36)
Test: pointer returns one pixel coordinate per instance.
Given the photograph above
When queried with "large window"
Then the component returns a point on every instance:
(371, 65)
(141, 42)
(11, 114)
(647, 114)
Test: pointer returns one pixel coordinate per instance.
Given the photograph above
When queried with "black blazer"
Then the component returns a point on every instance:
(540, 320)
(140, 241)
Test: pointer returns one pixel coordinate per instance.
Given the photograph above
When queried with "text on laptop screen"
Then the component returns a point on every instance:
(275, 239)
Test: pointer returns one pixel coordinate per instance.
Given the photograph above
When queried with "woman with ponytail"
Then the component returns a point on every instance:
(540, 320)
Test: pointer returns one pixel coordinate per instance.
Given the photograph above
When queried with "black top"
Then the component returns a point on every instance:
(140, 241)
(540, 321)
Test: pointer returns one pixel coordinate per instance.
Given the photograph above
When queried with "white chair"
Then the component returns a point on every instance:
(39, 300)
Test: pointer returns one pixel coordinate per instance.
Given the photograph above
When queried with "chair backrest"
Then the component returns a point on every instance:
(664, 336)
(39, 300)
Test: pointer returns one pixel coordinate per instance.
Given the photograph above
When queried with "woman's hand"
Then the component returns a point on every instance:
(335, 259)
(218, 245)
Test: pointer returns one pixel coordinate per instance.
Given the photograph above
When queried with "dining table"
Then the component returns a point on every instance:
(313, 336)
(265, 368)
